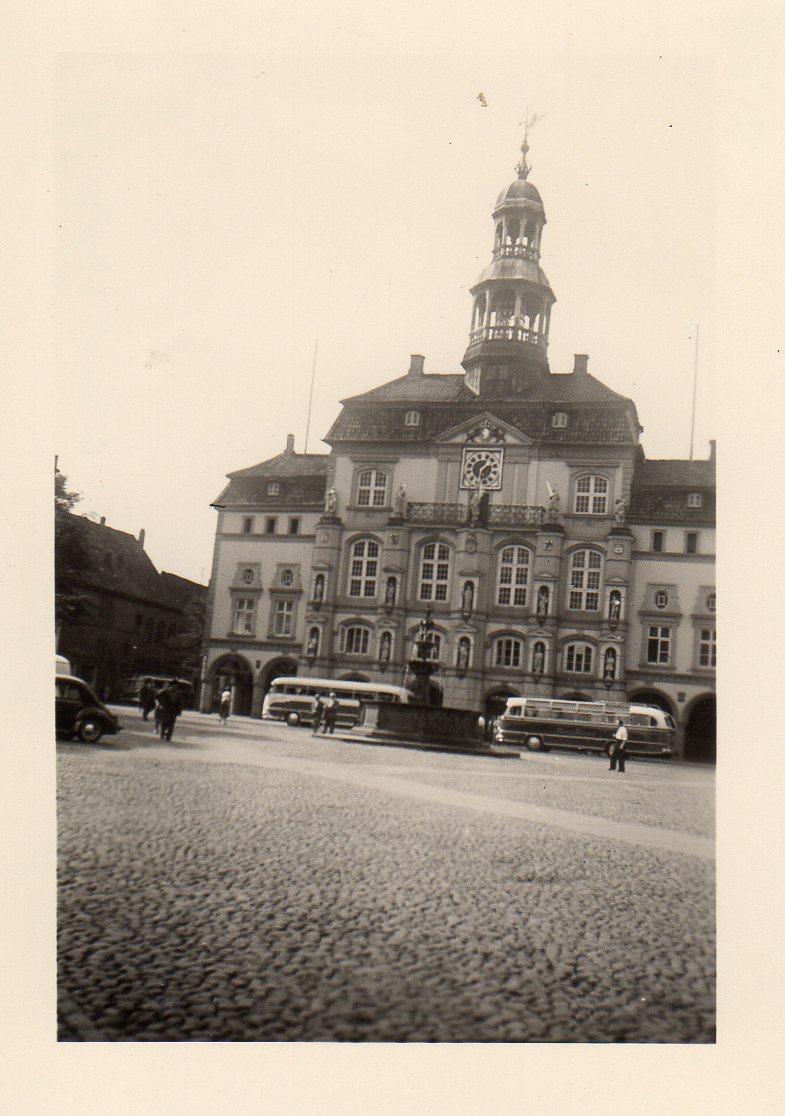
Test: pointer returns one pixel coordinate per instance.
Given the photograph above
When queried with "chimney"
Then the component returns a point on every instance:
(416, 365)
(712, 449)
(581, 364)
(141, 538)
(290, 443)
(103, 520)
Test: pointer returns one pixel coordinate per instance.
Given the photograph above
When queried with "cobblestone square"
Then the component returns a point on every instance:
(255, 883)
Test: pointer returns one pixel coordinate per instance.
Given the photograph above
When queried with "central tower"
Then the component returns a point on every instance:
(511, 315)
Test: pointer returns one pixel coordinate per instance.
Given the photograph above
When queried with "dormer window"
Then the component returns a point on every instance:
(559, 420)
(412, 418)
(694, 500)
(273, 488)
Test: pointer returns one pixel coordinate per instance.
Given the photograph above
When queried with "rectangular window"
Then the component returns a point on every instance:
(243, 615)
(707, 647)
(691, 542)
(269, 525)
(658, 645)
(658, 541)
(579, 658)
(247, 524)
(282, 618)
(508, 653)
(294, 526)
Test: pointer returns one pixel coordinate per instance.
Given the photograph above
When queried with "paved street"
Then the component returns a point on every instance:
(256, 883)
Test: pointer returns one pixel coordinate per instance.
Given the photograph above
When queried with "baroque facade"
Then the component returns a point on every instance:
(513, 505)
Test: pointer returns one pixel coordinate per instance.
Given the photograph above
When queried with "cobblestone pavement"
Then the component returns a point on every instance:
(257, 883)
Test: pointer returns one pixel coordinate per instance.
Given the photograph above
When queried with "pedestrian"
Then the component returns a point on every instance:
(330, 713)
(157, 710)
(619, 747)
(170, 706)
(318, 713)
(146, 698)
(225, 706)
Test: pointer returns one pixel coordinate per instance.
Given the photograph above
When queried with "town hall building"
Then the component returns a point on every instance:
(512, 506)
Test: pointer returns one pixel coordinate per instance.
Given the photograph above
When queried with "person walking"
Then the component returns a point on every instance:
(619, 747)
(146, 698)
(330, 713)
(170, 707)
(225, 706)
(318, 713)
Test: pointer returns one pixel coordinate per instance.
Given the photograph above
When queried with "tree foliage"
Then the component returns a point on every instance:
(70, 555)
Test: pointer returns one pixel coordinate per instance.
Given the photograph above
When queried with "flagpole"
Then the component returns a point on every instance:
(310, 395)
(694, 391)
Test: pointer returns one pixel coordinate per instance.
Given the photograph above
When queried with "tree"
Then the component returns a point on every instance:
(185, 649)
(70, 555)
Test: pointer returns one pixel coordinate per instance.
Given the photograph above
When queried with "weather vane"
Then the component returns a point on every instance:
(523, 168)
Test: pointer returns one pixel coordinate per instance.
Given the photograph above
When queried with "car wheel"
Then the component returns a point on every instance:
(534, 744)
(293, 719)
(91, 730)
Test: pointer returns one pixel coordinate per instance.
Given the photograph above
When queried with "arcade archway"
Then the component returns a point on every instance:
(234, 673)
(653, 697)
(495, 702)
(700, 730)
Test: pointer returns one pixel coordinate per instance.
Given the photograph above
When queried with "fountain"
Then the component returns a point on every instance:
(424, 722)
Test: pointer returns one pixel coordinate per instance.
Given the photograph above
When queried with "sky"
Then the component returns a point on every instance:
(218, 215)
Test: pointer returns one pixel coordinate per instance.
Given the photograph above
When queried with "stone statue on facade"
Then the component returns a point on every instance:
(330, 501)
(620, 512)
(399, 501)
(554, 505)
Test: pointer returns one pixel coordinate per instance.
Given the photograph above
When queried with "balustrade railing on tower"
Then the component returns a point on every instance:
(507, 333)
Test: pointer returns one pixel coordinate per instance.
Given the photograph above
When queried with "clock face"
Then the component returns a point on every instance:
(482, 467)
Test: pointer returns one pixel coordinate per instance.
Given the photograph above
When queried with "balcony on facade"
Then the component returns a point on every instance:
(499, 515)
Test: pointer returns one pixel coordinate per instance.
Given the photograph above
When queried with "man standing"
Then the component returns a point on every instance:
(330, 712)
(619, 747)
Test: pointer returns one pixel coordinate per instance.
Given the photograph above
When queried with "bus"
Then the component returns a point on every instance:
(293, 699)
(540, 724)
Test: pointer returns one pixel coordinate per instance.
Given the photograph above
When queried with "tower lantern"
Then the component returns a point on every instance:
(512, 300)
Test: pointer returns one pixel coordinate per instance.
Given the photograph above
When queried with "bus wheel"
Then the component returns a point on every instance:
(293, 719)
(534, 744)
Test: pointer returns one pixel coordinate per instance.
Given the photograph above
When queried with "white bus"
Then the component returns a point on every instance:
(292, 699)
(539, 724)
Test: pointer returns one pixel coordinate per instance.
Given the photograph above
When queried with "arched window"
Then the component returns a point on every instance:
(585, 570)
(512, 582)
(508, 652)
(411, 418)
(372, 488)
(578, 658)
(364, 568)
(434, 572)
(591, 496)
(694, 500)
(356, 640)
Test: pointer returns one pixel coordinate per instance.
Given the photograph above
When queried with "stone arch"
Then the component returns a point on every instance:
(653, 697)
(234, 671)
(353, 676)
(495, 701)
(700, 729)
(575, 695)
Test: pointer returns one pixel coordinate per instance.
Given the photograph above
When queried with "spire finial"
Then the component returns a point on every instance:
(523, 168)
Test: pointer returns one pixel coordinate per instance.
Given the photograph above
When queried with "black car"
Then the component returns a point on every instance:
(79, 713)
